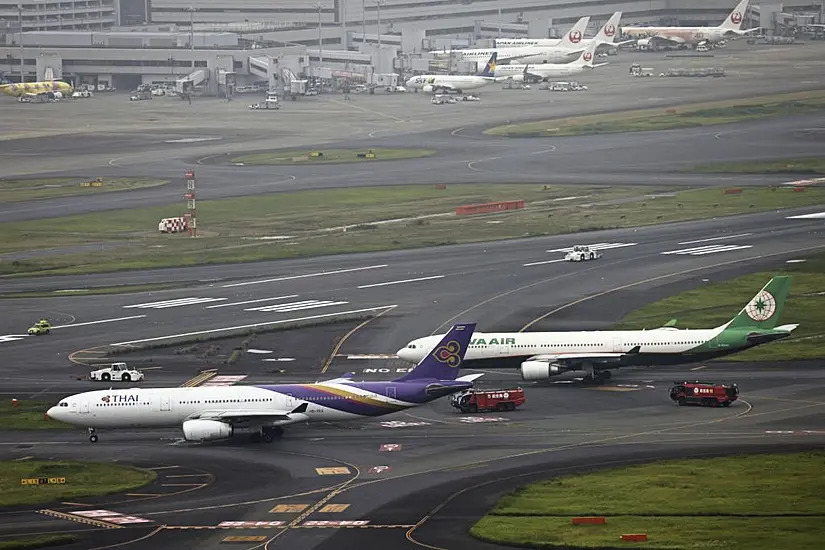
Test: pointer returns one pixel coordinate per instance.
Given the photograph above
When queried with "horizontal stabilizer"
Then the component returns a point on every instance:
(787, 328)
(469, 377)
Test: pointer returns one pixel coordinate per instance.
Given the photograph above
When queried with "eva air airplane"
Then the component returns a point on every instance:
(541, 355)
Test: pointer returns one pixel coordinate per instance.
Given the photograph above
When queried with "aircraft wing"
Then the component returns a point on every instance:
(665, 38)
(571, 361)
(444, 87)
(272, 417)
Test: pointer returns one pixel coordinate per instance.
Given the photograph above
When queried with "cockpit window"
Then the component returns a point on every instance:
(411, 346)
(62, 404)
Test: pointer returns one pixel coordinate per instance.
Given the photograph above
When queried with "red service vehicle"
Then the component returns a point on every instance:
(473, 400)
(706, 394)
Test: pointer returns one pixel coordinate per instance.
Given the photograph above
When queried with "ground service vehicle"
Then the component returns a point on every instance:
(706, 394)
(581, 254)
(474, 400)
(40, 327)
(116, 372)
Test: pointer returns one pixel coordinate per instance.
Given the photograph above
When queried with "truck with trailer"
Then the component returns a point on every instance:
(477, 400)
(706, 394)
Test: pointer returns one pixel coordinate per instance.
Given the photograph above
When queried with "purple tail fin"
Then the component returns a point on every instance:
(444, 361)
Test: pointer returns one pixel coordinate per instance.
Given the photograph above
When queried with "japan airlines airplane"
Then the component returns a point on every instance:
(434, 83)
(676, 36)
(541, 355)
(551, 70)
(211, 413)
(605, 38)
(35, 88)
(561, 53)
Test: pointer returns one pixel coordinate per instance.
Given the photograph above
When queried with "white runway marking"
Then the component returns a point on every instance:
(12, 338)
(292, 277)
(712, 249)
(403, 281)
(255, 325)
(224, 380)
(296, 306)
(254, 301)
(544, 262)
(596, 246)
(87, 323)
(175, 303)
(716, 238)
(815, 216)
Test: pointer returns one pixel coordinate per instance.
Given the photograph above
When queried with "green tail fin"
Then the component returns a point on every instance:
(765, 309)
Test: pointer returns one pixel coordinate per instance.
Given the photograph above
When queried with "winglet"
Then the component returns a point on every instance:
(300, 409)
(671, 323)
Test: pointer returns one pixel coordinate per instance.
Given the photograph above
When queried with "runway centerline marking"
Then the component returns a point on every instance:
(253, 325)
(87, 323)
(544, 262)
(717, 238)
(403, 281)
(305, 276)
(245, 302)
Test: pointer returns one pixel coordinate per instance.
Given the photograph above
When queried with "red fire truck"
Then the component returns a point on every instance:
(706, 394)
(473, 400)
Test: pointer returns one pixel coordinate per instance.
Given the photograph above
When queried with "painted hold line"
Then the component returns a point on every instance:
(99, 322)
(254, 301)
(388, 283)
(253, 325)
(717, 238)
(293, 277)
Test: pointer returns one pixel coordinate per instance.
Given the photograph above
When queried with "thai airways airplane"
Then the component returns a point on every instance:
(560, 53)
(676, 36)
(35, 88)
(551, 70)
(541, 355)
(605, 38)
(211, 413)
(434, 83)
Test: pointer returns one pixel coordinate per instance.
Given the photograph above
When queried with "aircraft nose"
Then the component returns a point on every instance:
(406, 354)
(52, 413)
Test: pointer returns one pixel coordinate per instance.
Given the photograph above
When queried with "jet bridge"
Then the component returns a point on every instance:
(195, 78)
(260, 66)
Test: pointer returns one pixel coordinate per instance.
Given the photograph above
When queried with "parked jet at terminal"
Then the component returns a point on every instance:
(36, 88)
(677, 36)
(210, 413)
(541, 355)
(605, 39)
(551, 70)
(435, 83)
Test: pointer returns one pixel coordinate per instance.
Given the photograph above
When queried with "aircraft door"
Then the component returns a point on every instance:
(289, 399)
(84, 407)
(391, 392)
(165, 403)
(617, 345)
(504, 349)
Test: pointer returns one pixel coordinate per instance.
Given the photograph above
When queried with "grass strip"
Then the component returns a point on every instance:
(684, 116)
(52, 188)
(37, 541)
(330, 156)
(717, 302)
(805, 166)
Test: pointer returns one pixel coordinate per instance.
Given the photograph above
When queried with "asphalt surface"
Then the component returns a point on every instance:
(450, 468)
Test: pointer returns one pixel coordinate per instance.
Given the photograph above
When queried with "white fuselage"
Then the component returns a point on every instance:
(685, 35)
(542, 71)
(456, 82)
(170, 407)
(521, 55)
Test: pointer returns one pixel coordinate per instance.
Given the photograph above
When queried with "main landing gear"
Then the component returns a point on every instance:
(596, 377)
(268, 434)
(92, 435)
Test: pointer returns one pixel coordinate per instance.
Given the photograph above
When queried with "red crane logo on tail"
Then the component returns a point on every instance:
(575, 37)
(609, 30)
(736, 17)
(587, 56)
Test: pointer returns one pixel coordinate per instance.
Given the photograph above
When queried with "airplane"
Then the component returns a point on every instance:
(552, 70)
(677, 36)
(605, 38)
(542, 355)
(213, 413)
(567, 47)
(434, 83)
(36, 88)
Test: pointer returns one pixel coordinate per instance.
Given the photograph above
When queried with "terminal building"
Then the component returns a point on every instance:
(124, 43)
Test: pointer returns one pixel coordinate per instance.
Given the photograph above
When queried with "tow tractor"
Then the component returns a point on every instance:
(706, 394)
(115, 372)
(581, 253)
(473, 400)
(40, 327)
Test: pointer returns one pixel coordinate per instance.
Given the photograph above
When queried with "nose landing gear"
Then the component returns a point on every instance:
(92, 435)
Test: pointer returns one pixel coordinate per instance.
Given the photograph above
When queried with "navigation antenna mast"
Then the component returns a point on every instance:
(192, 215)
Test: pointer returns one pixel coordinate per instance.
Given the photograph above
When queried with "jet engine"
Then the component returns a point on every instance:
(538, 370)
(644, 42)
(206, 430)
(428, 89)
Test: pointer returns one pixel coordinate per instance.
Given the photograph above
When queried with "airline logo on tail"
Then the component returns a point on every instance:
(449, 354)
(762, 307)
(575, 36)
(736, 17)
(609, 30)
(490, 68)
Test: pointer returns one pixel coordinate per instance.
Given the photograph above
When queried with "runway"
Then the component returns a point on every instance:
(420, 478)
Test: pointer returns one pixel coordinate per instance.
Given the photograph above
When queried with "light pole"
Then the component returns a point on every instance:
(20, 20)
(320, 37)
(363, 21)
(192, 11)
(378, 5)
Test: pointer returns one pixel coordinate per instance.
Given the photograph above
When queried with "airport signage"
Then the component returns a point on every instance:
(343, 523)
(43, 481)
(249, 524)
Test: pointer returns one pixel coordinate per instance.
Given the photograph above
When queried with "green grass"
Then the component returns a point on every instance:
(749, 502)
(237, 230)
(83, 479)
(91, 291)
(812, 166)
(30, 189)
(28, 415)
(685, 116)
(37, 541)
(717, 303)
(330, 156)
